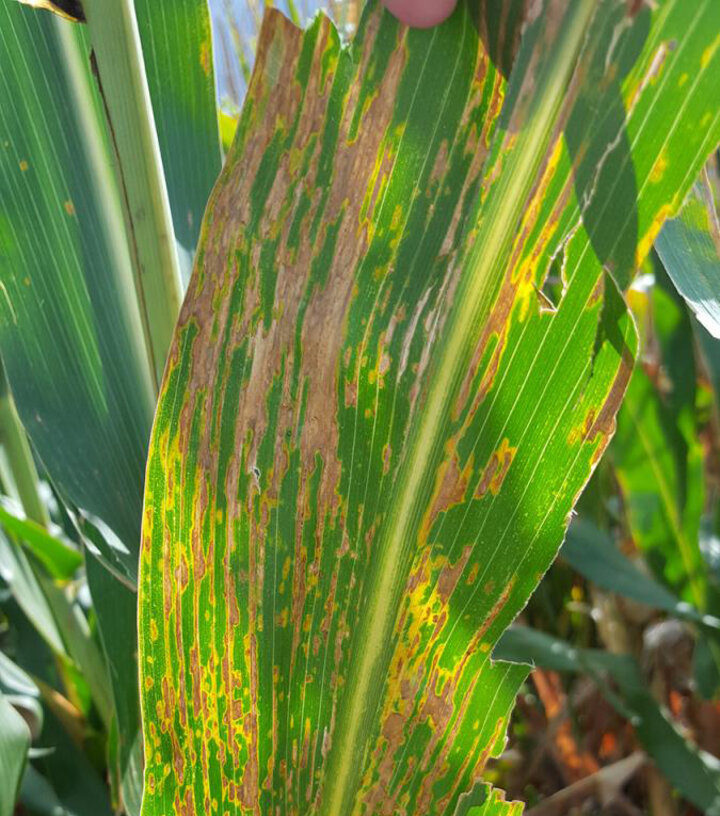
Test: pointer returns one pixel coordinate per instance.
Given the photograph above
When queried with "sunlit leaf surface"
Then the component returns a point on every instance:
(689, 248)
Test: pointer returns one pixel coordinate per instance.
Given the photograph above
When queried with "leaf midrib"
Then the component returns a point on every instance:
(370, 651)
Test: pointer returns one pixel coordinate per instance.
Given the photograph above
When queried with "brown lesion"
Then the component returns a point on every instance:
(496, 469)
(429, 695)
(451, 484)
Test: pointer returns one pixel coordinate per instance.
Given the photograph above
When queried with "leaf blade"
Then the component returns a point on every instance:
(689, 248)
(177, 46)
(298, 369)
(14, 743)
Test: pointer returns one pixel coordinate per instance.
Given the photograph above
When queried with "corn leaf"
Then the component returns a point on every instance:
(658, 456)
(373, 427)
(60, 775)
(592, 552)
(177, 46)
(19, 577)
(14, 743)
(689, 248)
(69, 772)
(56, 554)
(68, 326)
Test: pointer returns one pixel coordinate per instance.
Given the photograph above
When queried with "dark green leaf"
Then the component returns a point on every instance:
(592, 553)
(177, 45)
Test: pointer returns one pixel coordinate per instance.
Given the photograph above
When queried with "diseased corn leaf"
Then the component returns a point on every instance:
(689, 248)
(374, 425)
(177, 46)
(494, 805)
(237, 25)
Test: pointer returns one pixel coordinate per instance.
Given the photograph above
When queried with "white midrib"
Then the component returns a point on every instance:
(348, 746)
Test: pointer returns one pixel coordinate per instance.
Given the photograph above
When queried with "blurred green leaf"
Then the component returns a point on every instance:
(58, 557)
(14, 744)
(68, 771)
(21, 691)
(14, 680)
(659, 464)
(17, 573)
(59, 620)
(37, 796)
(60, 769)
(592, 552)
(115, 606)
(689, 248)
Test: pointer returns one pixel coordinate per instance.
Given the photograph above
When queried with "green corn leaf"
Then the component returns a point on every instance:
(373, 427)
(22, 693)
(14, 680)
(658, 459)
(37, 795)
(60, 779)
(69, 324)
(693, 772)
(177, 46)
(57, 555)
(592, 552)
(18, 575)
(115, 607)
(59, 621)
(69, 328)
(70, 773)
(689, 248)
(14, 744)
